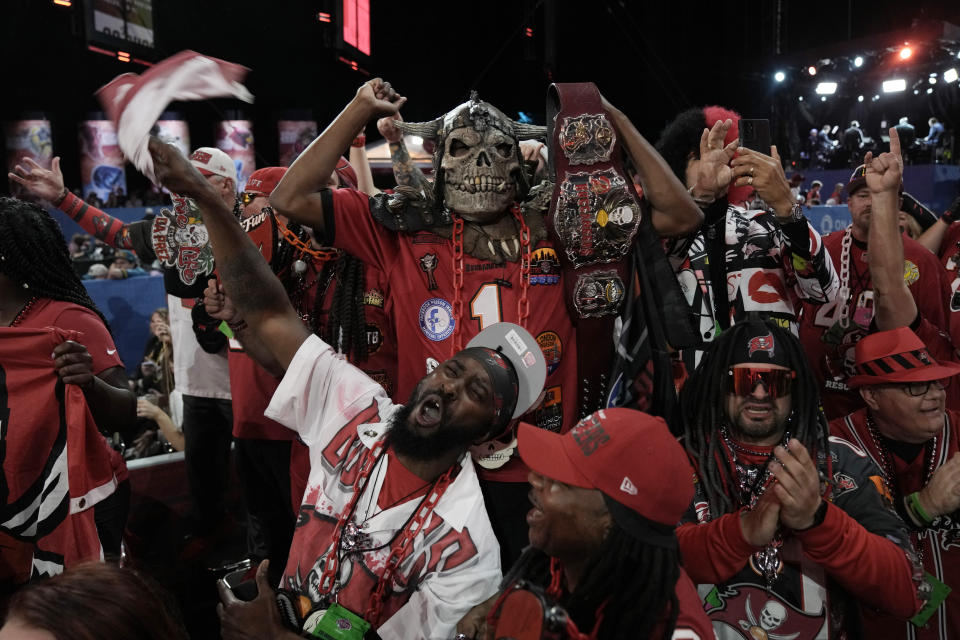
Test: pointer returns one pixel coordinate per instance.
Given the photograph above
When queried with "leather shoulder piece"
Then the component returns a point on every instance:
(408, 209)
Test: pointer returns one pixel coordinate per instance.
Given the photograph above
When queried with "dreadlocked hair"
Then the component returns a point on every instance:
(34, 255)
(703, 403)
(347, 323)
(633, 581)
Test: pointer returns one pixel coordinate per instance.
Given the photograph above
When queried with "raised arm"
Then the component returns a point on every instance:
(674, 211)
(894, 305)
(405, 171)
(361, 164)
(296, 196)
(255, 290)
(48, 185)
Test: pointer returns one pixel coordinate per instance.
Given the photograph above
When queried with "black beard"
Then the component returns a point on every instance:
(406, 442)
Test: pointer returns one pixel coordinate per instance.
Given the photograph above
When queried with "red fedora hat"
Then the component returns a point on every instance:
(897, 355)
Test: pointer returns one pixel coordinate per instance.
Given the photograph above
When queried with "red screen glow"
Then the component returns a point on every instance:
(356, 24)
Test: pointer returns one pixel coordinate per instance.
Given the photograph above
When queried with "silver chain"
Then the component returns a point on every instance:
(843, 296)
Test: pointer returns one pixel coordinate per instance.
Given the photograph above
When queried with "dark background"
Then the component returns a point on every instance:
(652, 59)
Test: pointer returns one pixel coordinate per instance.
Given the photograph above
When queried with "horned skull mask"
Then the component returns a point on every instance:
(477, 161)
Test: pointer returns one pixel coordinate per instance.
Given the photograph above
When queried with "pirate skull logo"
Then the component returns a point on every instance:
(479, 173)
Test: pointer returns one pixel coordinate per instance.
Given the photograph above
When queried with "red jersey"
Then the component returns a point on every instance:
(420, 270)
(94, 336)
(258, 385)
(830, 348)
(54, 461)
(950, 259)
(938, 545)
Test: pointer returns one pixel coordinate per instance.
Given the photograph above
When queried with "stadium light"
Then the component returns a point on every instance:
(892, 86)
(812, 70)
(823, 98)
(929, 90)
(858, 61)
(779, 76)
(932, 80)
(906, 52)
(826, 88)
(950, 75)
(800, 99)
(859, 98)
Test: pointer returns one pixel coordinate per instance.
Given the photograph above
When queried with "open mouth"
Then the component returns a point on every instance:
(430, 412)
(758, 410)
(536, 513)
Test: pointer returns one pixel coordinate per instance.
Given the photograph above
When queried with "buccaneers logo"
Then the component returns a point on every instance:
(760, 343)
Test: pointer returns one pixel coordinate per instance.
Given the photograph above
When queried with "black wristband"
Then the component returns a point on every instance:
(818, 516)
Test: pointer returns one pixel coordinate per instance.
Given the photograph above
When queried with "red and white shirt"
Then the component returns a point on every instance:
(340, 413)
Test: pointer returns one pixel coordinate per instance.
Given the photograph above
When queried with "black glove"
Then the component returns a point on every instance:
(206, 328)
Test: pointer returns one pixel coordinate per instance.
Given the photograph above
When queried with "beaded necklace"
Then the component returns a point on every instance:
(23, 312)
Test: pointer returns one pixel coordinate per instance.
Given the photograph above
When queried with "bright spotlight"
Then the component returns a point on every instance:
(950, 75)
(812, 70)
(823, 98)
(892, 86)
(858, 61)
(826, 88)
(779, 76)
(876, 97)
(916, 92)
(929, 90)
(905, 53)
(932, 80)
(800, 99)
(859, 98)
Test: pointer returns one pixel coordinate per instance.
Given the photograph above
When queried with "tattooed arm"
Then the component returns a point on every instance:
(405, 171)
(48, 184)
(257, 293)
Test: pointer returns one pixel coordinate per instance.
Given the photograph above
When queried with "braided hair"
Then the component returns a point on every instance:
(346, 326)
(633, 581)
(703, 410)
(33, 253)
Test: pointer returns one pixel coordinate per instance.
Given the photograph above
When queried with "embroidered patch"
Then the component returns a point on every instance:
(587, 138)
(596, 217)
(549, 415)
(911, 273)
(842, 483)
(381, 377)
(181, 242)
(373, 298)
(374, 338)
(544, 267)
(428, 263)
(436, 319)
(552, 348)
(425, 237)
(598, 294)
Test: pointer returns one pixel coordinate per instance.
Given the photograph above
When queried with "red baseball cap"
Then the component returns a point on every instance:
(262, 182)
(629, 456)
(897, 356)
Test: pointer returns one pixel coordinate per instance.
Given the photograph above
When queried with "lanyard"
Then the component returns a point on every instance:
(331, 569)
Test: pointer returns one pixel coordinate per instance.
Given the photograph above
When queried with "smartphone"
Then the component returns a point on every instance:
(243, 583)
(755, 134)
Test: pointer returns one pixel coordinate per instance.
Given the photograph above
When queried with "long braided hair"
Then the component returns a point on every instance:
(703, 403)
(34, 255)
(633, 581)
(346, 327)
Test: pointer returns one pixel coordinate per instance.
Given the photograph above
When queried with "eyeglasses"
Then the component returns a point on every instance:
(247, 198)
(744, 380)
(917, 389)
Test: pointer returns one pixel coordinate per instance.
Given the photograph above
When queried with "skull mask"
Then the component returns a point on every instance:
(479, 173)
(772, 615)
(477, 161)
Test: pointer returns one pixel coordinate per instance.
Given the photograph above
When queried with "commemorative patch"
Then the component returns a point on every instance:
(373, 298)
(587, 138)
(598, 294)
(911, 273)
(436, 319)
(544, 267)
(428, 263)
(549, 415)
(596, 217)
(374, 338)
(181, 242)
(552, 348)
(842, 483)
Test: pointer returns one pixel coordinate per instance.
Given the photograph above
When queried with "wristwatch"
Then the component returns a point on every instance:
(796, 215)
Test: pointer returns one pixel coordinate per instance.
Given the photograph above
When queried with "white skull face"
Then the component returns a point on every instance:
(772, 615)
(193, 235)
(479, 173)
(622, 215)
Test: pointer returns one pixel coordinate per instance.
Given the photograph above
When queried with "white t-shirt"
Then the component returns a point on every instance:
(339, 412)
(195, 372)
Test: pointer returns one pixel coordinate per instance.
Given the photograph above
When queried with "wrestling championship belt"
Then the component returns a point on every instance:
(525, 612)
(593, 220)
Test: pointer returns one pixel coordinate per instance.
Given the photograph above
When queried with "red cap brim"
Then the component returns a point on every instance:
(205, 171)
(543, 452)
(934, 372)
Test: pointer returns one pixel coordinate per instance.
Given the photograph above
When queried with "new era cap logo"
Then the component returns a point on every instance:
(628, 487)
